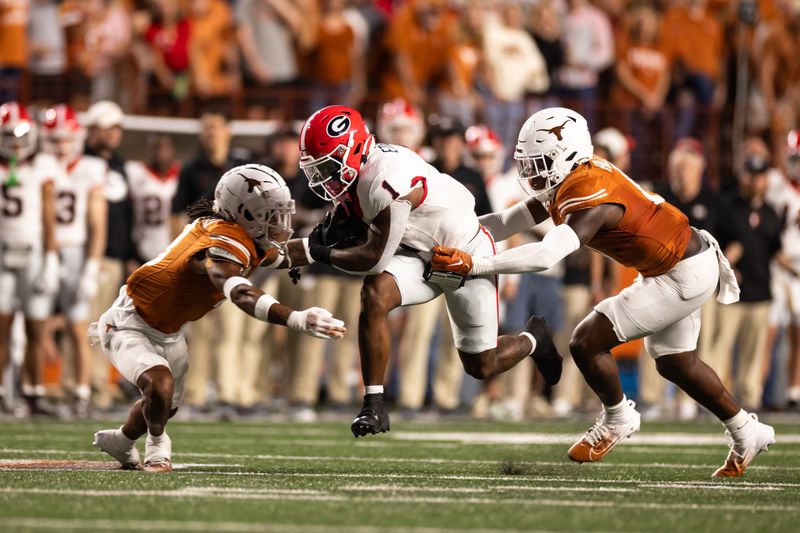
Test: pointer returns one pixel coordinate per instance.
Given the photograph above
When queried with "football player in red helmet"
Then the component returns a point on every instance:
(401, 123)
(334, 144)
(29, 265)
(80, 233)
(409, 206)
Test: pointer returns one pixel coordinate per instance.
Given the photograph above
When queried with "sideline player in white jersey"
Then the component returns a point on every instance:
(28, 257)
(81, 212)
(409, 206)
(152, 186)
(783, 194)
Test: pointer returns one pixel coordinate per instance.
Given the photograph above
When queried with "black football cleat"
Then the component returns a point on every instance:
(373, 417)
(546, 356)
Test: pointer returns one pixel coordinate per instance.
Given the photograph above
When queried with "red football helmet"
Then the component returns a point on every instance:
(17, 132)
(485, 148)
(401, 123)
(334, 143)
(62, 132)
(481, 140)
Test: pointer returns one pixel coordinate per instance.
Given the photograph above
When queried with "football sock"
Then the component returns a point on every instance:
(373, 389)
(737, 423)
(158, 447)
(615, 413)
(530, 338)
(123, 438)
(794, 394)
(82, 392)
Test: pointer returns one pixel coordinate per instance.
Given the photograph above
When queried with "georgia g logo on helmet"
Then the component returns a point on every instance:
(338, 125)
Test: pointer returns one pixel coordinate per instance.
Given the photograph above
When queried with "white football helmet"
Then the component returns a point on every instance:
(256, 198)
(551, 143)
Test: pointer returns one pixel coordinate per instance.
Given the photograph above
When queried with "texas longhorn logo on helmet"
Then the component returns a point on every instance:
(557, 129)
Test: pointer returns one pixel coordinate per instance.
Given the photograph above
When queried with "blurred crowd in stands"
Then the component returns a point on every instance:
(693, 98)
(659, 70)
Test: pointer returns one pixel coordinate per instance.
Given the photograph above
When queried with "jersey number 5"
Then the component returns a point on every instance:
(12, 206)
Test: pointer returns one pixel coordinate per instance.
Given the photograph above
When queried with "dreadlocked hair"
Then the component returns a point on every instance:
(202, 209)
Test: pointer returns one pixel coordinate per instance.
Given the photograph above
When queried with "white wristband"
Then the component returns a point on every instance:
(263, 304)
(308, 252)
(296, 320)
(232, 283)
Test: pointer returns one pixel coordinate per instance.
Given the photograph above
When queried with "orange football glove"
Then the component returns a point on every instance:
(451, 259)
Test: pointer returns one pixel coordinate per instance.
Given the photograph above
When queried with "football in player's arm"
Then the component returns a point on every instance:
(247, 226)
(595, 204)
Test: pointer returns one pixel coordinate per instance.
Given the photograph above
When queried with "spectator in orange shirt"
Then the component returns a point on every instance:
(779, 71)
(13, 46)
(642, 79)
(694, 41)
(458, 98)
(420, 40)
(336, 62)
(213, 58)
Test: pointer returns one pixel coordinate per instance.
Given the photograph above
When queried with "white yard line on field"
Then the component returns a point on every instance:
(353, 459)
(311, 495)
(60, 524)
(682, 439)
(486, 489)
(744, 485)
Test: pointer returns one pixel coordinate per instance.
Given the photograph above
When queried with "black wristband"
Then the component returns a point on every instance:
(319, 253)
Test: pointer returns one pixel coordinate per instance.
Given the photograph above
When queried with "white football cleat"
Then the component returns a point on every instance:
(118, 446)
(745, 448)
(158, 456)
(601, 438)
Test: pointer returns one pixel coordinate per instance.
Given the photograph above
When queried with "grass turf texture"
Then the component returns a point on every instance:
(424, 477)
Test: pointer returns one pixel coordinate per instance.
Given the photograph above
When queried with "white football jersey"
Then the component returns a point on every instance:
(446, 215)
(783, 195)
(152, 201)
(21, 204)
(75, 183)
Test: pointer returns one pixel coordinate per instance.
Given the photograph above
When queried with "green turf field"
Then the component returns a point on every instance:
(421, 477)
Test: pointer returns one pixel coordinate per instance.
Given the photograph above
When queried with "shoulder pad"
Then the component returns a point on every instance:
(218, 253)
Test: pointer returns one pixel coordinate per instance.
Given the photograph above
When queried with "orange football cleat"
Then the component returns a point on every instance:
(161, 466)
(603, 436)
(745, 448)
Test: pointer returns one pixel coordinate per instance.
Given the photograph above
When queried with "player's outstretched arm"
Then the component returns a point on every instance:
(519, 217)
(47, 281)
(314, 321)
(558, 243)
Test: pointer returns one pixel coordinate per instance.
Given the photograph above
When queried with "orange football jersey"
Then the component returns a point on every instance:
(167, 293)
(652, 235)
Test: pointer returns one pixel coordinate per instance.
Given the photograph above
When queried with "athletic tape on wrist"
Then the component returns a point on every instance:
(307, 251)
(233, 282)
(263, 304)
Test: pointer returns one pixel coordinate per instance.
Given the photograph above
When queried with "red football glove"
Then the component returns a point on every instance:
(451, 259)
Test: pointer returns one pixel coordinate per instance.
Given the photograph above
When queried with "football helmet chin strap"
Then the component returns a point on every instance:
(533, 257)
